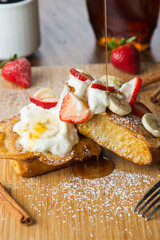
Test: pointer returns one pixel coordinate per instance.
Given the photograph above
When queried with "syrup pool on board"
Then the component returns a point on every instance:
(100, 166)
(94, 168)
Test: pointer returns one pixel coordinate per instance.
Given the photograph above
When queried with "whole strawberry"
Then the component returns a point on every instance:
(17, 71)
(124, 56)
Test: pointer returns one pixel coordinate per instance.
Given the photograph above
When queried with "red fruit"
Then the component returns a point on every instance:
(45, 103)
(126, 58)
(73, 110)
(102, 87)
(139, 109)
(81, 76)
(18, 72)
(131, 89)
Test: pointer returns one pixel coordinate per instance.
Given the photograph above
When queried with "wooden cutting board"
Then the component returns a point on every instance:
(64, 206)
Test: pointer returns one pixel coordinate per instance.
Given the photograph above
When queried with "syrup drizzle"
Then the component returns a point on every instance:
(99, 166)
(96, 167)
(105, 19)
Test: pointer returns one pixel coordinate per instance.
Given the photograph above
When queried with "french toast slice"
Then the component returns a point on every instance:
(125, 136)
(32, 164)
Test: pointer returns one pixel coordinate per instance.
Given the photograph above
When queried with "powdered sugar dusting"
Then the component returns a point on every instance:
(108, 198)
(64, 199)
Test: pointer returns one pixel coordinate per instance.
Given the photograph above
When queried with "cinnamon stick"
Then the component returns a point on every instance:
(151, 79)
(13, 207)
(155, 98)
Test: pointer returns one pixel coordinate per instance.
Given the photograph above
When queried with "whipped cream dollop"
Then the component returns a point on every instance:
(79, 86)
(41, 130)
(98, 100)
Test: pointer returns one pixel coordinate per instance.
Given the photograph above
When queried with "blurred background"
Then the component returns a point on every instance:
(67, 36)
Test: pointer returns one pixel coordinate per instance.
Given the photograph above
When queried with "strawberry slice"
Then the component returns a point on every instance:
(110, 89)
(102, 87)
(131, 89)
(73, 110)
(81, 76)
(139, 109)
(45, 103)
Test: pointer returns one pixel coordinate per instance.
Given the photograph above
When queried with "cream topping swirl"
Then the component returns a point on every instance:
(41, 130)
(98, 100)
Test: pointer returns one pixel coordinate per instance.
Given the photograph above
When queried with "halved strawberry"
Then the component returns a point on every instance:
(131, 89)
(81, 76)
(73, 110)
(139, 109)
(102, 87)
(17, 71)
(45, 103)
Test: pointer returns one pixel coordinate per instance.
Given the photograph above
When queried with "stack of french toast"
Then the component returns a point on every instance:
(51, 133)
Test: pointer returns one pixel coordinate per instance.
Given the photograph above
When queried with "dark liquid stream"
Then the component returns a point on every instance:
(99, 166)
(94, 168)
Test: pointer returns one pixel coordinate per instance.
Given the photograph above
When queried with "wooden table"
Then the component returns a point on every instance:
(66, 207)
(67, 36)
(63, 206)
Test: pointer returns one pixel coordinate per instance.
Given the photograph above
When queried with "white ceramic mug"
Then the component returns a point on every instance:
(19, 31)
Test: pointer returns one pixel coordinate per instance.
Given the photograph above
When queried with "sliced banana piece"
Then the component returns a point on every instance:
(118, 95)
(113, 81)
(119, 107)
(45, 93)
(151, 122)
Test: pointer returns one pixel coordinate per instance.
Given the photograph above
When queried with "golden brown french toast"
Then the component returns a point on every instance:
(126, 136)
(32, 164)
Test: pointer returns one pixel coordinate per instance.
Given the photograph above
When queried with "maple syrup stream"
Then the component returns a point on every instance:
(100, 166)
(105, 24)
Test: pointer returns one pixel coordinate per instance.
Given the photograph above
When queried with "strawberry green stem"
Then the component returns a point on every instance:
(113, 44)
(15, 57)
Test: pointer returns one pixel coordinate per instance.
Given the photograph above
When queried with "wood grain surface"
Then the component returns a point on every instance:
(64, 206)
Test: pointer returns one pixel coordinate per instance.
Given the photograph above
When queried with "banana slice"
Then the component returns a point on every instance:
(151, 122)
(45, 93)
(118, 95)
(113, 81)
(119, 107)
